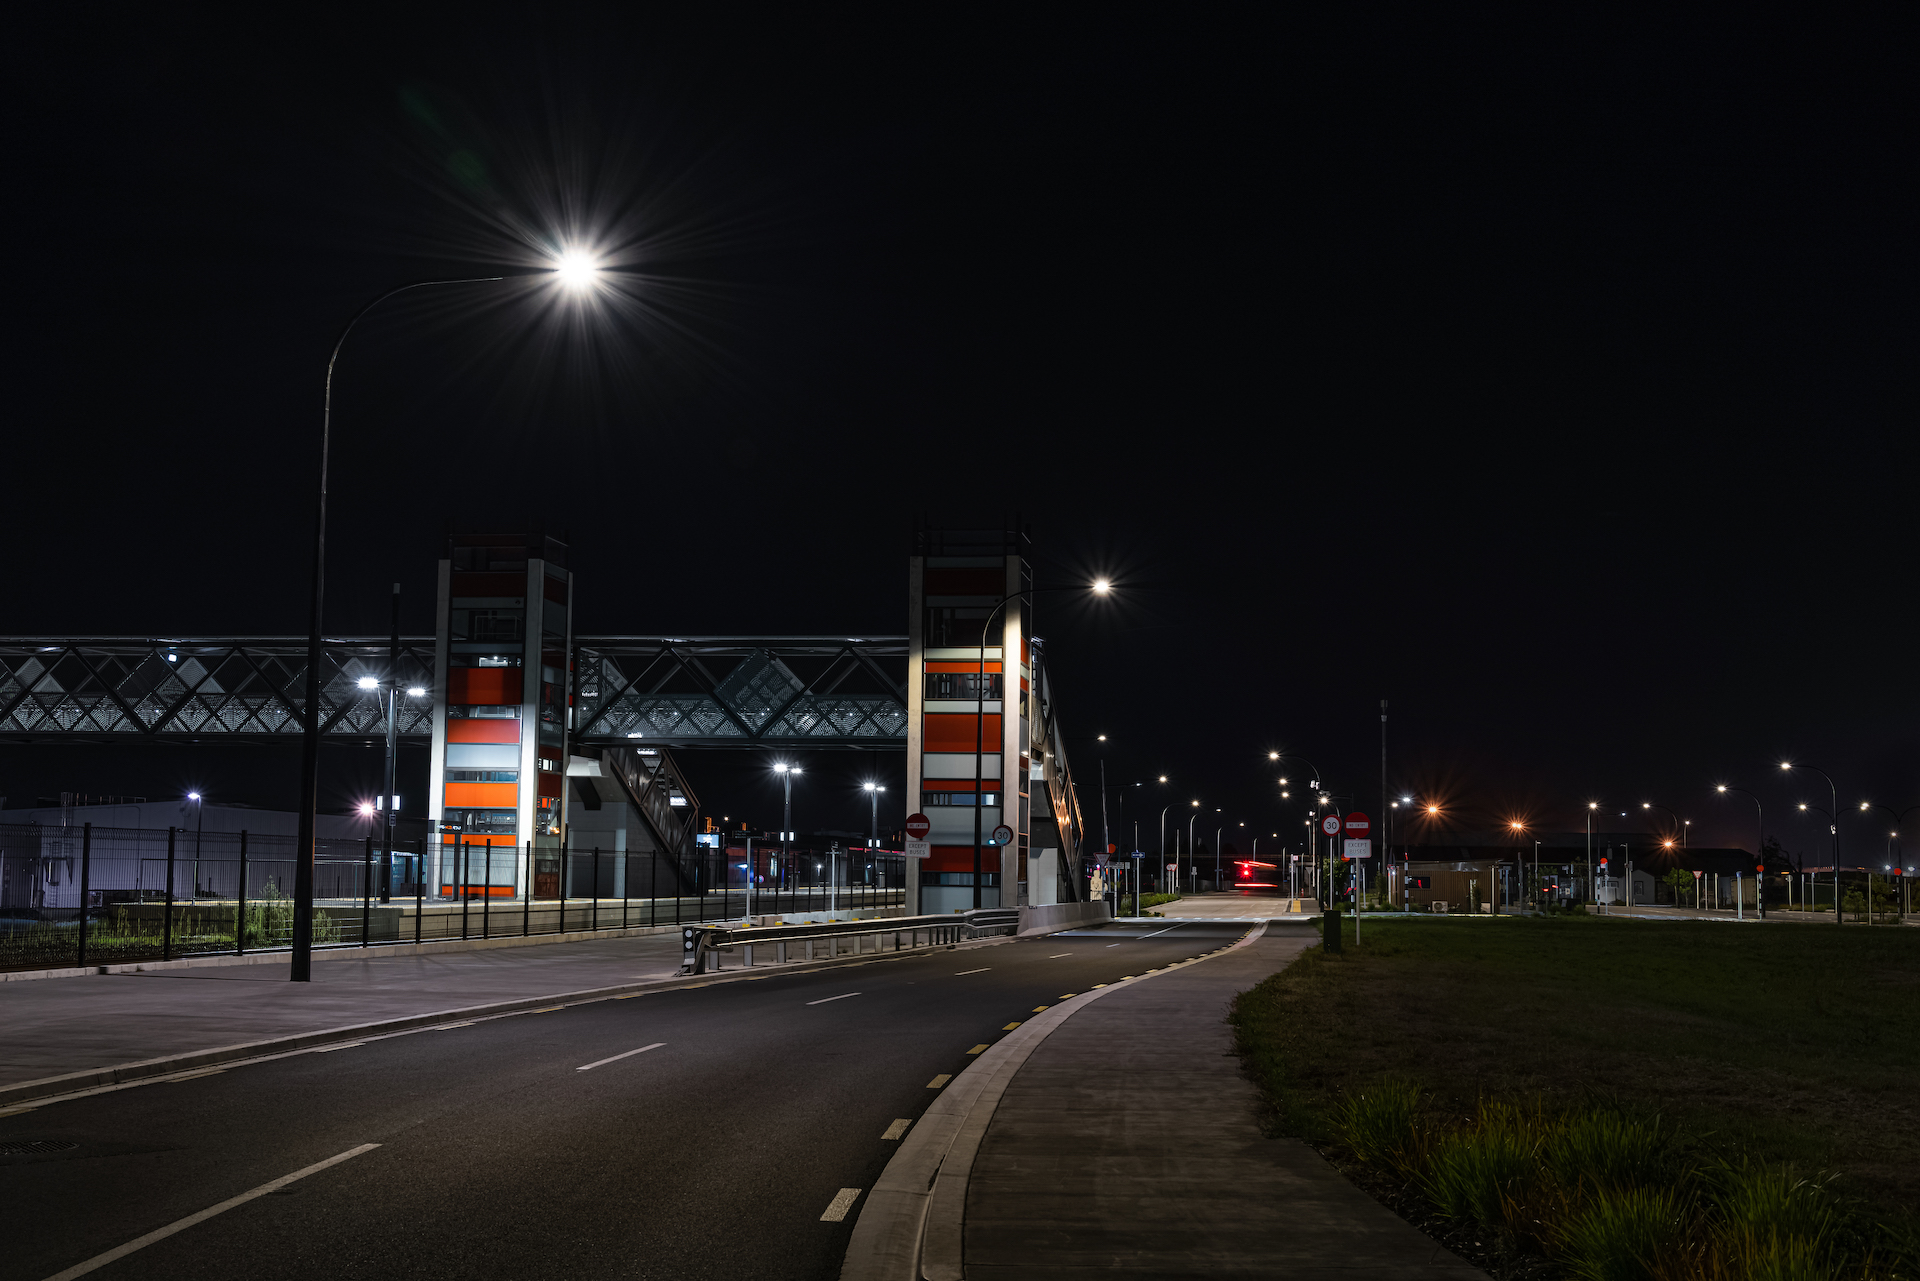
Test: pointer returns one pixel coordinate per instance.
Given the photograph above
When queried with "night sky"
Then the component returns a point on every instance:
(1555, 383)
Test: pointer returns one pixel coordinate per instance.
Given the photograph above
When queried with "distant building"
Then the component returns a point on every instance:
(1476, 870)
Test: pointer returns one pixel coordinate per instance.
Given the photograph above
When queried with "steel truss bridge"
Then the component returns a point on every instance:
(675, 692)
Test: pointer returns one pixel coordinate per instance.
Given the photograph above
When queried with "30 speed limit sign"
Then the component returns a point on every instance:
(1330, 825)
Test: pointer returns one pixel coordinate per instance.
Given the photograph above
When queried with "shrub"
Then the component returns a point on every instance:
(1378, 1122)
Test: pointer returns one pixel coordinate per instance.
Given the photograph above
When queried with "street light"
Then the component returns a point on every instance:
(1833, 826)
(1100, 587)
(574, 270)
(786, 773)
(873, 791)
(1759, 849)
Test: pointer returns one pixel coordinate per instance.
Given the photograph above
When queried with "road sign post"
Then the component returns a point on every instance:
(1358, 847)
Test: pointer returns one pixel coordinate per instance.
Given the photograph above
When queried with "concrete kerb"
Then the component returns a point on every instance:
(910, 1227)
(92, 1080)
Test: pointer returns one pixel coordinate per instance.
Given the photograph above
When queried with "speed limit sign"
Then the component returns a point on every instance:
(1330, 825)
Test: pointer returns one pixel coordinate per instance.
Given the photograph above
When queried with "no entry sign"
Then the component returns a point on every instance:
(1358, 825)
(918, 825)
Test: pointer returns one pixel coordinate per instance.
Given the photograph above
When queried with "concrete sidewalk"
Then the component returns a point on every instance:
(56, 1026)
(1129, 1142)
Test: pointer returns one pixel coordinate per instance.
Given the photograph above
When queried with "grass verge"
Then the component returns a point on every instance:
(1606, 1098)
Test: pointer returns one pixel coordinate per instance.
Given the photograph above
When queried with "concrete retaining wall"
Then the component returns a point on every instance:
(1063, 916)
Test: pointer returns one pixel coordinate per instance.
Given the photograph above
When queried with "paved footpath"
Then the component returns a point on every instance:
(56, 1026)
(1227, 907)
(1129, 1143)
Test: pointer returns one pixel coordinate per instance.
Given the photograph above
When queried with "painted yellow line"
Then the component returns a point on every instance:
(1009, 1027)
(1038, 1008)
(897, 1129)
(978, 1048)
(940, 1080)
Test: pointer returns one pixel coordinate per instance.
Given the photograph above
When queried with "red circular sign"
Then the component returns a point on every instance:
(1330, 825)
(1358, 825)
(918, 825)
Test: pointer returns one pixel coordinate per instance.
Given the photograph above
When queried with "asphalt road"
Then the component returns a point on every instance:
(713, 1155)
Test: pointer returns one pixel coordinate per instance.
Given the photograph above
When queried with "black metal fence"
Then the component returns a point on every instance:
(87, 896)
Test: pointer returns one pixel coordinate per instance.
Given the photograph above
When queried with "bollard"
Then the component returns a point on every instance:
(1330, 930)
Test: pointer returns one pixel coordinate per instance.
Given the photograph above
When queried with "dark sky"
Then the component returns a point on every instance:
(1555, 382)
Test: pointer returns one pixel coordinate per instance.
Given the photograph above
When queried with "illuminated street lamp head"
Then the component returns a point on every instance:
(576, 270)
(866, 787)
(1283, 782)
(1786, 765)
(1103, 738)
(1163, 778)
(1803, 805)
(1273, 756)
(366, 807)
(1196, 804)
(194, 796)
(1515, 825)
(1593, 805)
(416, 691)
(1433, 809)
(1721, 788)
(368, 682)
(1102, 586)
(1863, 807)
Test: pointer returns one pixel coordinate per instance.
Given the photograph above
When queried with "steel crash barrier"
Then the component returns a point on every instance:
(702, 945)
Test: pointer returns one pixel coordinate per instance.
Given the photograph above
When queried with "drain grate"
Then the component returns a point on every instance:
(36, 1147)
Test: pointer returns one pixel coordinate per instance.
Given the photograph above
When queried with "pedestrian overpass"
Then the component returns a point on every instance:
(619, 717)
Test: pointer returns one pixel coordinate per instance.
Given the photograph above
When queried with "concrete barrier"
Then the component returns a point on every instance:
(1063, 916)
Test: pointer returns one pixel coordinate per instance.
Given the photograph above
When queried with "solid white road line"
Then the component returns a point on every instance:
(841, 1203)
(897, 1129)
(823, 1000)
(982, 970)
(1170, 929)
(1057, 955)
(588, 1067)
(161, 1234)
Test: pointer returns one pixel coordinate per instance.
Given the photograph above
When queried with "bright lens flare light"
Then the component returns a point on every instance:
(576, 270)
(1102, 586)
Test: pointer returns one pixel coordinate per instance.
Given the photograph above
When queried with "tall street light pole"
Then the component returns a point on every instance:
(786, 773)
(873, 791)
(1833, 826)
(1100, 587)
(1759, 848)
(574, 270)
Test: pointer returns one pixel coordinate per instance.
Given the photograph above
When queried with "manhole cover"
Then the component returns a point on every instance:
(37, 1147)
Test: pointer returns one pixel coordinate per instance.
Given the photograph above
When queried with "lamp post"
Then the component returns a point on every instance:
(1759, 849)
(1899, 818)
(199, 826)
(786, 773)
(873, 791)
(573, 269)
(1100, 587)
(1591, 891)
(1833, 826)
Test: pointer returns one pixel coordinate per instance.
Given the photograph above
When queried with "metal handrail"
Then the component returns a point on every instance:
(698, 941)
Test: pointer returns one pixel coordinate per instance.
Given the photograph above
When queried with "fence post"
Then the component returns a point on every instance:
(366, 896)
(526, 899)
(166, 916)
(460, 885)
(419, 888)
(560, 883)
(594, 919)
(240, 902)
(486, 892)
(86, 884)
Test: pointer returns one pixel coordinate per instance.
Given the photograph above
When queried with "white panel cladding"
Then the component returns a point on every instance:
(953, 825)
(483, 756)
(951, 654)
(962, 706)
(957, 765)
